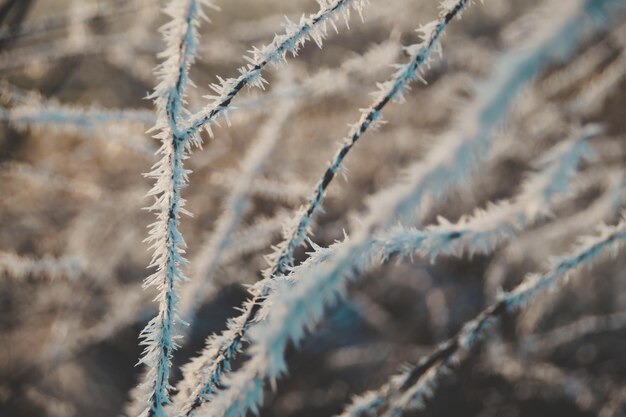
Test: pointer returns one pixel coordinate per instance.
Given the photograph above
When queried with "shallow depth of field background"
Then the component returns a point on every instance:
(68, 345)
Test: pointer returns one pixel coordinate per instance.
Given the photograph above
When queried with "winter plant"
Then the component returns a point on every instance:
(539, 100)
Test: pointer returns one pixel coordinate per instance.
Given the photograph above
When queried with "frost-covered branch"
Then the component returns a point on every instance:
(483, 231)
(411, 388)
(70, 117)
(31, 109)
(296, 34)
(21, 267)
(419, 382)
(532, 247)
(332, 81)
(159, 335)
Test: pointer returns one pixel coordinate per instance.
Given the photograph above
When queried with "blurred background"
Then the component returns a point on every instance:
(73, 148)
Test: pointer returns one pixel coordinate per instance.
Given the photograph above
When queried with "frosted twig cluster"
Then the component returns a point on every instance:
(299, 307)
(221, 350)
(480, 233)
(512, 153)
(169, 173)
